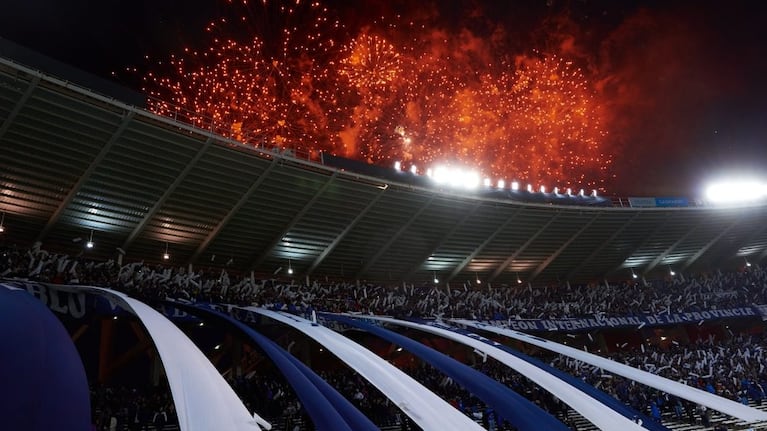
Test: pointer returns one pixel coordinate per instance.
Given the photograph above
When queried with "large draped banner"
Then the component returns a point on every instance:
(605, 417)
(327, 408)
(203, 399)
(519, 411)
(423, 406)
(43, 385)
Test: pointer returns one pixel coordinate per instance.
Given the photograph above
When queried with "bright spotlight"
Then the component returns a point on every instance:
(543, 189)
(594, 193)
(429, 173)
(569, 191)
(487, 182)
(413, 170)
(736, 191)
(530, 188)
(502, 184)
(471, 180)
(514, 186)
(397, 165)
(441, 175)
(581, 193)
(89, 244)
(556, 190)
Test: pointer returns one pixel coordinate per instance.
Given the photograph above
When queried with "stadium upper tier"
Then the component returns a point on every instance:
(76, 164)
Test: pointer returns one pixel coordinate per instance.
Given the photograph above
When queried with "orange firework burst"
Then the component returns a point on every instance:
(258, 92)
(371, 63)
(438, 98)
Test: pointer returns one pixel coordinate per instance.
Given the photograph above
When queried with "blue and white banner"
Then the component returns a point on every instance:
(599, 322)
(519, 411)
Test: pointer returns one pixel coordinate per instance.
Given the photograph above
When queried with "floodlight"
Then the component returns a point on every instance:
(441, 175)
(397, 165)
(471, 180)
(502, 184)
(736, 191)
(569, 191)
(488, 182)
(514, 186)
(413, 170)
(530, 188)
(556, 190)
(543, 189)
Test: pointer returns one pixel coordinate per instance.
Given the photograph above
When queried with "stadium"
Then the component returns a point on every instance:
(159, 273)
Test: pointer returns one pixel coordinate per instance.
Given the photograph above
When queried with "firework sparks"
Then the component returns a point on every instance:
(535, 119)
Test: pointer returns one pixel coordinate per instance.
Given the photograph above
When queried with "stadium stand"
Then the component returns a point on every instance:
(303, 237)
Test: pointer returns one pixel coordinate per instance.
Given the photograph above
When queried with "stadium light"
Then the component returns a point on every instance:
(569, 191)
(397, 165)
(471, 180)
(414, 170)
(736, 191)
(90, 243)
(556, 190)
(543, 189)
(514, 186)
(429, 173)
(502, 184)
(530, 188)
(441, 175)
(456, 177)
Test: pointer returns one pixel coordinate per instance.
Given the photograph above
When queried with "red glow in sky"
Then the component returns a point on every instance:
(390, 90)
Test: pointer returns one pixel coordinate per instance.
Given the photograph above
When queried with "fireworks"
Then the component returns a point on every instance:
(371, 63)
(375, 98)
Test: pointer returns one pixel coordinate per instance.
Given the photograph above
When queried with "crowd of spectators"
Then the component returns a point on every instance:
(710, 291)
(130, 408)
(732, 367)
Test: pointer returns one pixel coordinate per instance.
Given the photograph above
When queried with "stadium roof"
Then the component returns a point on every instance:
(74, 162)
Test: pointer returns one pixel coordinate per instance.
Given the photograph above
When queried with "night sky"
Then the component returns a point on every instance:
(681, 84)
